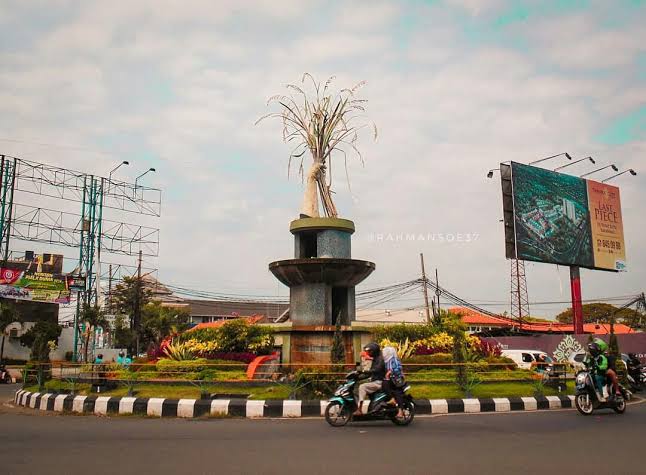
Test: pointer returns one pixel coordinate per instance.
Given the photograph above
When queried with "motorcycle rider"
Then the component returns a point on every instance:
(377, 373)
(394, 379)
(600, 366)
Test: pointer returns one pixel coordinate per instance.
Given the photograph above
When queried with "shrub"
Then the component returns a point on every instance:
(402, 331)
(235, 336)
(170, 367)
(434, 359)
(241, 357)
(499, 360)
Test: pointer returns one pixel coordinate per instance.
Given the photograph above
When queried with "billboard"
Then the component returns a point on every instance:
(561, 219)
(35, 286)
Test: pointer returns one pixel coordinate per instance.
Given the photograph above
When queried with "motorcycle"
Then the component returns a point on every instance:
(5, 377)
(588, 398)
(341, 407)
(636, 375)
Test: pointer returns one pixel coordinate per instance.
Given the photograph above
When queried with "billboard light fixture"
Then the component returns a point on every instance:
(630, 170)
(490, 173)
(612, 165)
(567, 155)
(575, 161)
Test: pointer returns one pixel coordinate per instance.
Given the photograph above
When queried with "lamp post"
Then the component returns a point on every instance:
(144, 173)
(613, 166)
(125, 162)
(567, 155)
(575, 161)
(632, 172)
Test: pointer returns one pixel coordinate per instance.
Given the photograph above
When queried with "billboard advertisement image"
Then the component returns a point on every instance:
(34, 286)
(562, 219)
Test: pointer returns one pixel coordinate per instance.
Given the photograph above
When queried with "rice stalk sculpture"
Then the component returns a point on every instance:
(323, 123)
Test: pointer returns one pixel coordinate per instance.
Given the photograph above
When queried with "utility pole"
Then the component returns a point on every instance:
(109, 303)
(437, 293)
(424, 283)
(137, 315)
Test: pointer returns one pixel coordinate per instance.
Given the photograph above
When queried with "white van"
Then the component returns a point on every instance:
(525, 358)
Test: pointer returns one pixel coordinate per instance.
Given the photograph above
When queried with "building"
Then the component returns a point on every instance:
(569, 210)
(480, 323)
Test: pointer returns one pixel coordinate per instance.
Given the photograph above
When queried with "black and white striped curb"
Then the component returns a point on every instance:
(190, 408)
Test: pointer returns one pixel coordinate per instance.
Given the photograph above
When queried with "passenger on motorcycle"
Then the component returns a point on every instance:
(394, 381)
(600, 366)
(377, 373)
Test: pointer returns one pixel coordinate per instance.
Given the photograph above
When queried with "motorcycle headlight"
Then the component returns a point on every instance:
(580, 378)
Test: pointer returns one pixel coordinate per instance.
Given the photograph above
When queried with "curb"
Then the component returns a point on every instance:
(192, 408)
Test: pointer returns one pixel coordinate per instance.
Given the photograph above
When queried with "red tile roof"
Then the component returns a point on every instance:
(471, 317)
(251, 320)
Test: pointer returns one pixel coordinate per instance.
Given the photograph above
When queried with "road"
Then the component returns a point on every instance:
(558, 441)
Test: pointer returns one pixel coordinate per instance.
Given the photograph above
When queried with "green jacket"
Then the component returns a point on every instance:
(600, 363)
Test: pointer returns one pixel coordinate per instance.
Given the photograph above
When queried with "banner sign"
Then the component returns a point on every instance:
(561, 219)
(34, 286)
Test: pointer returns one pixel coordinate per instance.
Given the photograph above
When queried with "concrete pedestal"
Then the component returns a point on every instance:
(322, 279)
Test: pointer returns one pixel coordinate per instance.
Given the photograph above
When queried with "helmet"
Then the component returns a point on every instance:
(121, 354)
(372, 349)
(594, 349)
(603, 346)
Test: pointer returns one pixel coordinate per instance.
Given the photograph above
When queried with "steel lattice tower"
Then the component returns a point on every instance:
(519, 299)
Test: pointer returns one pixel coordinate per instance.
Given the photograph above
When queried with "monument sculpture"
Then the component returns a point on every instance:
(322, 275)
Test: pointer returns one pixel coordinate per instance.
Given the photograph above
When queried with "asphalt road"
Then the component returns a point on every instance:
(558, 441)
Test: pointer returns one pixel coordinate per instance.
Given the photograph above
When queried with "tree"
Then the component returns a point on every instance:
(8, 315)
(159, 322)
(93, 317)
(37, 338)
(602, 313)
(129, 298)
(124, 336)
(320, 123)
(124, 296)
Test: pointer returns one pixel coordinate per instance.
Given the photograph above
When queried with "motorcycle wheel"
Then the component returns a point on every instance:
(584, 404)
(620, 407)
(409, 415)
(337, 414)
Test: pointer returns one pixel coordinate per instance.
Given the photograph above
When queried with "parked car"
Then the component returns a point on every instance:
(576, 360)
(526, 359)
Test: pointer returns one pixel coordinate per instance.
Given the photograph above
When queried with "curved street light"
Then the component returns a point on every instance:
(567, 155)
(632, 172)
(575, 161)
(125, 162)
(614, 167)
(144, 173)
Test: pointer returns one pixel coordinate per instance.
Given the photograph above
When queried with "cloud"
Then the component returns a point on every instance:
(178, 86)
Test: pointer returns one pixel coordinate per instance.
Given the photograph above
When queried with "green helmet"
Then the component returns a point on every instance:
(603, 346)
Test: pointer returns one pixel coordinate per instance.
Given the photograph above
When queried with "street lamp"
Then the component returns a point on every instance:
(125, 162)
(567, 155)
(575, 161)
(490, 174)
(137, 179)
(613, 166)
(632, 172)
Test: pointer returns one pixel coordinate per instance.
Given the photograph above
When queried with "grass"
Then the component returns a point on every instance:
(420, 391)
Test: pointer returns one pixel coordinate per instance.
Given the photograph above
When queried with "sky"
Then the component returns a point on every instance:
(454, 86)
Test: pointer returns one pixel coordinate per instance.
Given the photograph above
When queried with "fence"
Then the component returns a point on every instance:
(291, 380)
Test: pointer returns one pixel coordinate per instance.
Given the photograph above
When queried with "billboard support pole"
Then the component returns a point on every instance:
(577, 306)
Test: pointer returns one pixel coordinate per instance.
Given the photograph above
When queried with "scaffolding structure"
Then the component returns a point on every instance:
(519, 298)
(86, 230)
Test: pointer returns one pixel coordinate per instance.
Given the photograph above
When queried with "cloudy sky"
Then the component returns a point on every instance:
(455, 87)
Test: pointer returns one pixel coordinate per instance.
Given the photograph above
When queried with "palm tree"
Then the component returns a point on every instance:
(93, 317)
(320, 123)
(8, 315)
